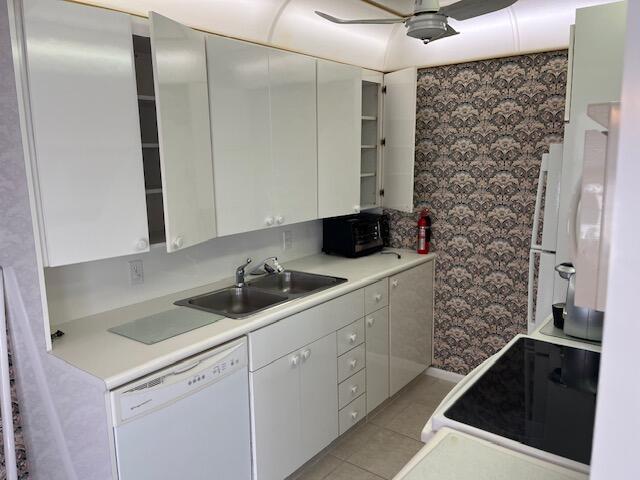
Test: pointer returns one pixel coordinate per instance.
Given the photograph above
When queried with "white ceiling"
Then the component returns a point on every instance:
(529, 25)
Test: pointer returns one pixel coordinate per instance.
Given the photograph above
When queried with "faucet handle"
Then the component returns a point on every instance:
(249, 260)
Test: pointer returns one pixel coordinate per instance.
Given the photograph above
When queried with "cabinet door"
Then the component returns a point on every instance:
(339, 131)
(410, 324)
(377, 357)
(292, 85)
(276, 418)
(86, 130)
(319, 396)
(399, 131)
(241, 134)
(184, 132)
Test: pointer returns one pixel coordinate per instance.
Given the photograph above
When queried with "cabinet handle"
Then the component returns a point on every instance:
(306, 354)
(353, 363)
(354, 415)
(178, 242)
(279, 220)
(142, 244)
(295, 360)
(371, 321)
(354, 390)
(352, 338)
(394, 283)
(268, 221)
(377, 297)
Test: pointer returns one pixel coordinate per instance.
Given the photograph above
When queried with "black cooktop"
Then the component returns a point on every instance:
(538, 393)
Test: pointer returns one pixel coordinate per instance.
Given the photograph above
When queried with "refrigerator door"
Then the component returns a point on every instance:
(552, 198)
(545, 219)
(542, 287)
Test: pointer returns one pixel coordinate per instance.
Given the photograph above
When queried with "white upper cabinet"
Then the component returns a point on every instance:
(292, 85)
(88, 157)
(399, 131)
(240, 126)
(339, 115)
(263, 123)
(184, 132)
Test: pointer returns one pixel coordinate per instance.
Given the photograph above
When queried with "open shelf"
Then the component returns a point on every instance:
(367, 174)
(369, 118)
(149, 137)
(368, 146)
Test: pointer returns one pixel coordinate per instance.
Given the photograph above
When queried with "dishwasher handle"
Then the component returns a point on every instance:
(185, 368)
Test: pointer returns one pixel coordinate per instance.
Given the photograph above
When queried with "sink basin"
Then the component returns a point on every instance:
(234, 302)
(295, 284)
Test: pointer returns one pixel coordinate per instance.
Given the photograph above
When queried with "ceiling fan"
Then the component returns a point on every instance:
(429, 22)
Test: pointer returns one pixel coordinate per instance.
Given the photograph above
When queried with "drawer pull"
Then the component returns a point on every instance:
(377, 297)
(354, 415)
(352, 338)
(306, 354)
(371, 321)
(394, 283)
(353, 363)
(354, 390)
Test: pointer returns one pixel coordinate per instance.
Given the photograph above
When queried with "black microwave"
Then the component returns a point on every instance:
(352, 235)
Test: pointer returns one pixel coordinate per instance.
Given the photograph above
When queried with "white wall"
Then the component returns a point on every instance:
(615, 448)
(75, 291)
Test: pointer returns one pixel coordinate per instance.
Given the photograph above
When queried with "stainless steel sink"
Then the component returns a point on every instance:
(295, 284)
(234, 302)
(261, 293)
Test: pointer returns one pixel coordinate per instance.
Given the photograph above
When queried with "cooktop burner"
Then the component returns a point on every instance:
(538, 393)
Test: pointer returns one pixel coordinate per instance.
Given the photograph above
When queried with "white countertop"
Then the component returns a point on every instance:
(89, 346)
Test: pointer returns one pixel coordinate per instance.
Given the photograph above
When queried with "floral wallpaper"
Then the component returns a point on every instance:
(482, 128)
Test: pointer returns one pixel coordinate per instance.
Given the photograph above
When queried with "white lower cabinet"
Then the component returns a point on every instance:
(410, 324)
(295, 405)
(377, 357)
(350, 362)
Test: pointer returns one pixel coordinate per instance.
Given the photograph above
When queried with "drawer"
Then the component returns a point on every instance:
(352, 388)
(350, 363)
(350, 336)
(276, 340)
(376, 296)
(352, 413)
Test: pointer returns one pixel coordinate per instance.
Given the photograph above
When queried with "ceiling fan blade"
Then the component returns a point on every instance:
(465, 9)
(449, 33)
(379, 21)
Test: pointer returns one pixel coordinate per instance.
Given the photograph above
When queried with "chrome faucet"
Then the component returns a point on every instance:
(240, 273)
(264, 268)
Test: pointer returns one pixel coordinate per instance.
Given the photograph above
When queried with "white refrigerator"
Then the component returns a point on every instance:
(545, 286)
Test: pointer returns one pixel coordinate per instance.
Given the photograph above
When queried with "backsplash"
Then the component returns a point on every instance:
(482, 128)
(76, 291)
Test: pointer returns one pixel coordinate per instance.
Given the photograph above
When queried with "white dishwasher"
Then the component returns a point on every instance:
(189, 421)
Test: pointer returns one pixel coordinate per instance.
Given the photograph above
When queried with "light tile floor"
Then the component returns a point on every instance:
(383, 443)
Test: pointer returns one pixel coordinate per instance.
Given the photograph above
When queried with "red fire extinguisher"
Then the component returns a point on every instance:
(424, 232)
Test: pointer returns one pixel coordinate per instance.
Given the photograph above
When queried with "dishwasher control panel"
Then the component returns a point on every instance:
(177, 381)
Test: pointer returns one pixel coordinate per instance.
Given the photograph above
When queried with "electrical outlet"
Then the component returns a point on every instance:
(136, 273)
(287, 240)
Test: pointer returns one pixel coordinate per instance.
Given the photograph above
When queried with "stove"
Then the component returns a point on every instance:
(540, 394)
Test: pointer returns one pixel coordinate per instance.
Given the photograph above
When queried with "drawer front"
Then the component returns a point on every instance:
(350, 336)
(274, 341)
(352, 413)
(376, 296)
(352, 388)
(350, 363)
